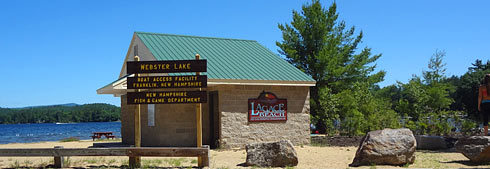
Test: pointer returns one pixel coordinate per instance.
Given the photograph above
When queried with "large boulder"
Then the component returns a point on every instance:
(386, 147)
(475, 148)
(430, 142)
(271, 154)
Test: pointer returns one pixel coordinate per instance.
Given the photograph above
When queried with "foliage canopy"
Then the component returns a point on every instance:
(346, 98)
(324, 48)
(97, 112)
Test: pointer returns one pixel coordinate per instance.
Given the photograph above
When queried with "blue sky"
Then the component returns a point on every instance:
(55, 52)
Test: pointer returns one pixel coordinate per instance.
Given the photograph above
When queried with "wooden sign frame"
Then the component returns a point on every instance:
(169, 66)
(159, 82)
(267, 108)
(167, 97)
(173, 66)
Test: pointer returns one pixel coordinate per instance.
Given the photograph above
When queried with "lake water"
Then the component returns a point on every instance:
(27, 133)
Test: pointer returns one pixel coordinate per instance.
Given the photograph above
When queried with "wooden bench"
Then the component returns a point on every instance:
(95, 137)
(59, 152)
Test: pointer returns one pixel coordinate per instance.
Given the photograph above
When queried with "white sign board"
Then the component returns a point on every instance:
(151, 114)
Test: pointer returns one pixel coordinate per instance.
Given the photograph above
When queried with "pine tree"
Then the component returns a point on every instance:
(321, 46)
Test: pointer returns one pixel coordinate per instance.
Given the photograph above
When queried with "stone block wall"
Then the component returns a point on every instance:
(236, 131)
(127, 121)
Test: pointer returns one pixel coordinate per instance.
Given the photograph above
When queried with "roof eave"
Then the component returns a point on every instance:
(260, 82)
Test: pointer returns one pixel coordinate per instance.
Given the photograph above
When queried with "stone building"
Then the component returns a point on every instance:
(237, 70)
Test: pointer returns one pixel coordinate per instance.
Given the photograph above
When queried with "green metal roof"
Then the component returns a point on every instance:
(226, 58)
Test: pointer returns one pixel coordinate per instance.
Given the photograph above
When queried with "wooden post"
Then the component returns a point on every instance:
(58, 160)
(199, 123)
(135, 162)
(205, 158)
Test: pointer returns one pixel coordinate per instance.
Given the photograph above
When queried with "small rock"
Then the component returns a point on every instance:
(475, 148)
(386, 147)
(271, 154)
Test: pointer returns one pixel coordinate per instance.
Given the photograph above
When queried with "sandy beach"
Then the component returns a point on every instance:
(309, 157)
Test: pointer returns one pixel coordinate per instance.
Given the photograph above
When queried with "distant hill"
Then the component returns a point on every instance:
(64, 105)
(63, 113)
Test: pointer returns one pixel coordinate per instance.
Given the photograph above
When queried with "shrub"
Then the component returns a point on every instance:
(70, 139)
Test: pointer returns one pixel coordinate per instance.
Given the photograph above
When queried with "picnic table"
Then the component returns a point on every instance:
(98, 135)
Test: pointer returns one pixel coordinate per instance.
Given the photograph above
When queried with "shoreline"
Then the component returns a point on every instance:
(59, 141)
(61, 123)
(52, 132)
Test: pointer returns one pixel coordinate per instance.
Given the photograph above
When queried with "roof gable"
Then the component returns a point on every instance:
(226, 58)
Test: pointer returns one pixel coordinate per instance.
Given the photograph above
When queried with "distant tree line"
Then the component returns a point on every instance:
(347, 99)
(98, 112)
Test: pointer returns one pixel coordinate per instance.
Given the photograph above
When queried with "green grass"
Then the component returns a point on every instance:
(427, 160)
(223, 168)
(319, 144)
(406, 165)
(43, 164)
(92, 160)
(151, 163)
(26, 163)
(111, 162)
(68, 162)
(70, 139)
(16, 164)
(194, 161)
(147, 165)
(125, 162)
(175, 162)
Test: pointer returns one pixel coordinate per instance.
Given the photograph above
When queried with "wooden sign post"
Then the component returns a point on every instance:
(135, 162)
(138, 82)
(199, 123)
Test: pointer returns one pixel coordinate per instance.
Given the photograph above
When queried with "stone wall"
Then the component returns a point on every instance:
(236, 131)
(127, 121)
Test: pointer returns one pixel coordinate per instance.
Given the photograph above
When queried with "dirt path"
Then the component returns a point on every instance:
(309, 157)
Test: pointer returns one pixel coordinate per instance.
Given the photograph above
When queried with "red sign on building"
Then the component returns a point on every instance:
(267, 107)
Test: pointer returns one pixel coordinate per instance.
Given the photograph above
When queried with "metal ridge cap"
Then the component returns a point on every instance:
(192, 36)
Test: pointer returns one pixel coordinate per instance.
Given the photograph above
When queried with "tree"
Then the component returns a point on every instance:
(427, 95)
(466, 94)
(479, 66)
(437, 70)
(413, 100)
(319, 45)
(51, 114)
(437, 88)
(391, 93)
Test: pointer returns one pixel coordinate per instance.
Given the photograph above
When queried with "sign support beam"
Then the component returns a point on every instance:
(199, 123)
(135, 162)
